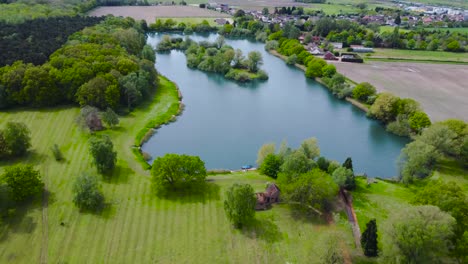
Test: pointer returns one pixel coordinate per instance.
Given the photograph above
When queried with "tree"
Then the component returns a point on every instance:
(254, 60)
(329, 70)
(89, 118)
(314, 70)
(110, 117)
(3, 147)
(454, 46)
(384, 107)
(348, 163)
(271, 165)
(369, 239)
(418, 234)
(94, 93)
(87, 195)
(102, 151)
(363, 91)
(418, 121)
(240, 204)
(265, 11)
(296, 163)
(173, 171)
(310, 148)
(344, 178)
(148, 53)
(17, 138)
(313, 191)
(323, 163)
(417, 160)
(264, 151)
(450, 198)
(442, 138)
(398, 20)
(464, 152)
(23, 181)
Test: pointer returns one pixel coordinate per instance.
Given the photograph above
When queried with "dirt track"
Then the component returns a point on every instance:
(442, 89)
(150, 13)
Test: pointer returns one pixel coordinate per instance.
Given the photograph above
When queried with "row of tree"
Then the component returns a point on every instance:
(187, 28)
(33, 41)
(108, 65)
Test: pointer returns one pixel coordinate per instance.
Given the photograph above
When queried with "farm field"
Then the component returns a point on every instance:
(151, 13)
(417, 55)
(137, 227)
(196, 20)
(439, 88)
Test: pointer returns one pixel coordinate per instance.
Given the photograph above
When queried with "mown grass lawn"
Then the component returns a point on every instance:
(137, 227)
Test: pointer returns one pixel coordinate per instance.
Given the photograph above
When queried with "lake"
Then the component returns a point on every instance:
(225, 122)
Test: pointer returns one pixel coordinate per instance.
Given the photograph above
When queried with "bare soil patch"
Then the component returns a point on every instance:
(150, 13)
(442, 89)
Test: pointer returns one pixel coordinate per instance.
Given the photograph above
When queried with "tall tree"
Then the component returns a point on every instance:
(240, 204)
(102, 151)
(87, 195)
(369, 239)
(264, 151)
(254, 60)
(173, 171)
(17, 138)
(418, 234)
(24, 181)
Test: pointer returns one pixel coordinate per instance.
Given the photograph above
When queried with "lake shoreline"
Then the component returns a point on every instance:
(319, 80)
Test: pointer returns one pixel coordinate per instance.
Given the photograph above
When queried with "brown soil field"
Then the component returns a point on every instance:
(441, 89)
(150, 13)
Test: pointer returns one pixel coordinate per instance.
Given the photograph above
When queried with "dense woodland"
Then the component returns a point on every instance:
(35, 40)
(108, 65)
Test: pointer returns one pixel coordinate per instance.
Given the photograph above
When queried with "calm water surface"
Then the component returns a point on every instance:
(225, 123)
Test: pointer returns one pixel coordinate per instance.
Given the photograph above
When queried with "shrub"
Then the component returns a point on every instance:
(57, 153)
(384, 107)
(17, 138)
(329, 70)
(271, 45)
(271, 166)
(102, 151)
(240, 204)
(23, 181)
(363, 90)
(291, 60)
(418, 121)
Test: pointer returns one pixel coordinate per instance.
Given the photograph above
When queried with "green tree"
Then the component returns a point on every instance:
(417, 160)
(240, 204)
(323, 163)
(110, 117)
(296, 163)
(314, 70)
(264, 151)
(3, 147)
(265, 11)
(87, 194)
(464, 152)
(348, 163)
(454, 46)
(344, 178)
(310, 148)
(442, 138)
(148, 53)
(363, 91)
(369, 239)
(418, 121)
(173, 171)
(23, 180)
(254, 60)
(313, 191)
(418, 234)
(450, 198)
(398, 20)
(271, 166)
(17, 138)
(329, 70)
(102, 151)
(384, 107)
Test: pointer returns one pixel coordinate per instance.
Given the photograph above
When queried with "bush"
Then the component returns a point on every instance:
(271, 45)
(418, 121)
(291, 60)
(384, 107)
(102, 151)
(57, 153)
(363, 90)
(329, 70)
(87, 195)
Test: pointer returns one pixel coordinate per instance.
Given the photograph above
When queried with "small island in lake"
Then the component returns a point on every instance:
(217, 57)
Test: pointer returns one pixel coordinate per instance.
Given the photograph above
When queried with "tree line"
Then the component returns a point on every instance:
(33, 41)
(108, 65)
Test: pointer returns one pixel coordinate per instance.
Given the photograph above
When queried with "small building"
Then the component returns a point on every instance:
(316, 51)
(329, 56)
(267, 198)
(337, 45)
(360, 48)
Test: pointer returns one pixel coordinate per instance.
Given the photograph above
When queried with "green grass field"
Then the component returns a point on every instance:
(417, 55)
(193, 20)
(137, 227)
(333, 9)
